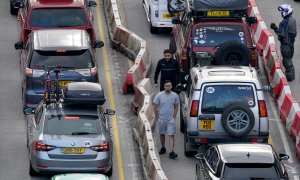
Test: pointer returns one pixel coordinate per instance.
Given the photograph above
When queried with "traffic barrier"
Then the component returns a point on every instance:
(295, 129)
(278, 82)
(292, 117)
(135, 48)
(285, 107)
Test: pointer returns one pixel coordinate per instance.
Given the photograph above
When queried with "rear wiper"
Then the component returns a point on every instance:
(82, 133)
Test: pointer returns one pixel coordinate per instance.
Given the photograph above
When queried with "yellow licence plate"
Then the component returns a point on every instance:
(207, 125)
(218, 13)
(73, 150)
(62, 83)
(167, 16)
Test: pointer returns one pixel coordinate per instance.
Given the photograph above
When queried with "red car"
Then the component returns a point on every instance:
(214, 34)
(55, 14)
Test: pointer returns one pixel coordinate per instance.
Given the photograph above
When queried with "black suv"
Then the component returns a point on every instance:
(241, 162)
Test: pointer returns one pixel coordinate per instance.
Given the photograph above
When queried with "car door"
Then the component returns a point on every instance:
(34, 126)
(106, 123)
(88, 8)
(184, 98)
(22, 18)
(24, 59)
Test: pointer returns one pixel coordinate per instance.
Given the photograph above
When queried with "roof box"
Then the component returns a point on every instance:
(207, 5)
(84, 93)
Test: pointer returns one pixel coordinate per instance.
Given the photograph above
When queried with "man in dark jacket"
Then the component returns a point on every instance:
(287, 33)
(169, 69)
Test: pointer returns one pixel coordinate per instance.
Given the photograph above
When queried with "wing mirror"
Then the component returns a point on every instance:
(110, 112)
(283, 157)
(176, 20)
(18, 4)
(92, 4)
(266, 88)
(99, 44)
(29, 111)
(199, 156)
(19, 45)
(252, 20)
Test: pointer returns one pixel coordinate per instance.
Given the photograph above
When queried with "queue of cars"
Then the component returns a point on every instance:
(71, 132)
(223, 113)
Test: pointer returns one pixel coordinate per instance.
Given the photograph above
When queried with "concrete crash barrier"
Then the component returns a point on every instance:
(288, 108)
(128, 43)
(135, 48)
(144, 136)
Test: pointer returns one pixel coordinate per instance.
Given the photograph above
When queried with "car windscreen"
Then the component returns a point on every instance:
(71, 124)
(250, 171)
(215, 35)
(217, 97)
(81, 59)
(64, 17)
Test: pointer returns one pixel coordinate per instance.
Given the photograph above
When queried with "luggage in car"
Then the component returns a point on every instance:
(84, 93)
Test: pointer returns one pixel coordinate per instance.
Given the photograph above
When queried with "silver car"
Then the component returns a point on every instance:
(70, 136)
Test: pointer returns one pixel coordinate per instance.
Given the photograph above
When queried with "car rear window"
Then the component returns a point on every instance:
(71, 124)
(73, 59)
(217, 97)
(64, 17)
(215, 35)
(250, 171)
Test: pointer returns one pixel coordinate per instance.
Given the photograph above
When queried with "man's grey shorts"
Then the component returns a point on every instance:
(167, 127)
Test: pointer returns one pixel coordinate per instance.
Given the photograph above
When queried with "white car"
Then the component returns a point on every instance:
(157, 14)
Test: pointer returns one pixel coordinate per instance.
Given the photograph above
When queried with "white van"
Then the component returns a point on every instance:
(157, 14)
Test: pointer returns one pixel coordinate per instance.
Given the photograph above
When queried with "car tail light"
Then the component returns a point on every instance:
(28, 72)
(156, 13)
(38, 146)
(84, 72)
(203, 140)
(37, 73)
(194, 108)
(262, 108)
(101, 148)
(93, 71)
(183, 58)
(253, 54)
(253, 140)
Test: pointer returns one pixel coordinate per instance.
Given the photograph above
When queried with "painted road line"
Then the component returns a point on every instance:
(282, 134)
(270, 141)
(111, 96)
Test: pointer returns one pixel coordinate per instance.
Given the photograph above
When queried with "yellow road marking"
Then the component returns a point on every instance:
(270, 141)
(130, 63)
(111, 96)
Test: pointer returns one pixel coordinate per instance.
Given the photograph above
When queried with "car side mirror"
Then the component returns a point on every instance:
(29, 111)
(266, 88)
(176, 20)
(19, 45)
(110, 112)
(99, 44)
(283, 156)
(252, 20)
(92, 4)
(18, 4)
(199, 156)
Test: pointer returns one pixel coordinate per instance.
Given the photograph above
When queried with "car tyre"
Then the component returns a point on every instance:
(109, 172)
(32, 172)
(245, 119)
(187, 147)
(13, 11)
(232, 53)
(181, 121)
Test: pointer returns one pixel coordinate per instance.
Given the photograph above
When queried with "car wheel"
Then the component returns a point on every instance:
(13, 11)
(237, 120)
(232, 53)
(181, 121)
(109, 172)
(187, 147)
(32, 172)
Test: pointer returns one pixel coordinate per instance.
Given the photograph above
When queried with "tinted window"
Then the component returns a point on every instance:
(217, 97)
(75, 59)
(71, 124)
(250, 171)
(57, 18)
(214, 35)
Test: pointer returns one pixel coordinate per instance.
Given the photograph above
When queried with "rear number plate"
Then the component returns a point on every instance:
(218, 13)
(167, 16)
(61, 83)
(73, 150)
(207, 125)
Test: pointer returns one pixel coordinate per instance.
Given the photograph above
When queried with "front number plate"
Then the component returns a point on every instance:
(207, 125)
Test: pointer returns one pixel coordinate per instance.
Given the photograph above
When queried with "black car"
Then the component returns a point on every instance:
(241, 162)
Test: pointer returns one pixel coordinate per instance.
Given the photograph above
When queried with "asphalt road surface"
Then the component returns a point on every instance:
(183, 167)
(112, 68)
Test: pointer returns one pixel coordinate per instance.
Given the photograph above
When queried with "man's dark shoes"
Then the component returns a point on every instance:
(172, 155)
(162, 150)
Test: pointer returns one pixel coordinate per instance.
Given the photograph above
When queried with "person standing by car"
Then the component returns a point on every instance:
(165, 109)
(169, 69)
(287, 33)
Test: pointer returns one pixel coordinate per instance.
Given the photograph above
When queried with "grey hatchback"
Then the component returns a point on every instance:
(72, 136)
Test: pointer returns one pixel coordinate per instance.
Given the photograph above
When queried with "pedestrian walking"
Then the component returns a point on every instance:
(287, 33)
(169, 69)
(165, 109)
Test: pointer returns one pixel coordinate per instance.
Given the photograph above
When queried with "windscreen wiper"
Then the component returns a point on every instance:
(82, 133)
